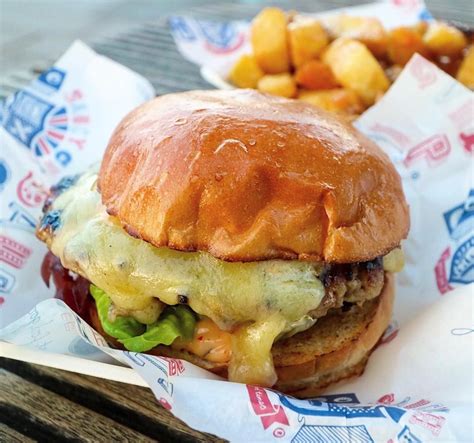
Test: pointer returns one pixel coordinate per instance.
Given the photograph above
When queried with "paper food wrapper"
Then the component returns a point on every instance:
(419, 381)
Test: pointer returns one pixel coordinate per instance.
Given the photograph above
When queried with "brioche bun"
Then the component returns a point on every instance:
(246, 176)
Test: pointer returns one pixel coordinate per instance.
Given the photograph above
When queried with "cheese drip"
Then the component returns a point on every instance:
(260, 300)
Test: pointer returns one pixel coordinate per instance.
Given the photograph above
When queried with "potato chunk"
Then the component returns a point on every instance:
(315, 75)
(269, 41)
(278, 84)
(443, 39)
(403, 42)
(307, 40)
(367, 30)
(343, 101)
(246, 73)
(466, 71)
(356, 68)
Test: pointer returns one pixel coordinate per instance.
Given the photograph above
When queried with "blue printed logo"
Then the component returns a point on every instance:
(7, 282)
(136, 358)
(25, 116)
(342, 405)
(4, 174)
(181, 28)
(425, 15)
(460, 219)
(219, 34)
(166, 385)
(18, 218)
(462, 264)
(221, 38)
(142, 359)
(460, 223)
(340, 434)
(51, 122)
(56, 128)
(53, 78)
(406, 436)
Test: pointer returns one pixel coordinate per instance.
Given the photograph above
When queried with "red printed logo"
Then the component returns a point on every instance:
(386, 399)
(429, 421)
(468, 142)
(418, 404)
(406, 3)
(440, 272)
(165, 403)
(13, 253)
(263, 407)
(239, 41)
(433, 149)
(30, 192)
(398, 137)
(175, 367)
(423, 71)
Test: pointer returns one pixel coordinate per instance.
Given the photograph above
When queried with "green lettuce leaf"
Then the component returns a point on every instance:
(174, 322)
(123, 327)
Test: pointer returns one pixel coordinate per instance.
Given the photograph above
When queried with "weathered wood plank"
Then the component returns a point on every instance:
(9, 435)
(132, 406)
(53, 417)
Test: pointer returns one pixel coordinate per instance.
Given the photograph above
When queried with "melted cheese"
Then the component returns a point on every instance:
(394, 261)
(260, 299)
(252, 361)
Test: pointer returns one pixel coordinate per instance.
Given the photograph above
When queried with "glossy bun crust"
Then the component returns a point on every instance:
(246, 176)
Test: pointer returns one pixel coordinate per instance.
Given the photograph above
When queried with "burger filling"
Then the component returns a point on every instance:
(148, 296)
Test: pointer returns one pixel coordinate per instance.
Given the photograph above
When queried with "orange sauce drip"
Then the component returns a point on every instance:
(209, 342)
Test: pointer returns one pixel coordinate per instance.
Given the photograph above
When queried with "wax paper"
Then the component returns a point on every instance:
(418, 384)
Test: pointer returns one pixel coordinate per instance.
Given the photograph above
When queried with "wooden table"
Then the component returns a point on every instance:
(45, 404)
(38, 403)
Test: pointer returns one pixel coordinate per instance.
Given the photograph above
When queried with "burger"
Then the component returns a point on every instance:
(251, 235)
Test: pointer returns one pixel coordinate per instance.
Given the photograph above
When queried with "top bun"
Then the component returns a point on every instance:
(246, 176)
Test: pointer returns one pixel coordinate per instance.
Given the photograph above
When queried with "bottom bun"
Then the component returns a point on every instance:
(336, 347)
